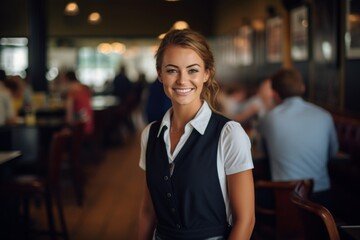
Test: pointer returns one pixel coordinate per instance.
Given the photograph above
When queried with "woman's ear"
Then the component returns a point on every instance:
(207, 75)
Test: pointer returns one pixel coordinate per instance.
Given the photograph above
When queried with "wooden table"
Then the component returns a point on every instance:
(7, 159)
(33, 141)
(6, 156)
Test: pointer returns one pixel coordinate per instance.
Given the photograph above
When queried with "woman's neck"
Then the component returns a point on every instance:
(182, 114)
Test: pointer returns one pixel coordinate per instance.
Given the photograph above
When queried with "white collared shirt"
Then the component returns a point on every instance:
(234, 149)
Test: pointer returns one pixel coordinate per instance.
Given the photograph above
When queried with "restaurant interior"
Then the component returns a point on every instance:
(96, 183)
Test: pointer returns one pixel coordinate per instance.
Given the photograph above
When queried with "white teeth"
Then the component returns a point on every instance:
(183, 90)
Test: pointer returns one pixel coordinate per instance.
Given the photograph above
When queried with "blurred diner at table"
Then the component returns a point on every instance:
(7, 111)
(232, 97)
(17, 87)
(157, 102)
(122, 86)
(78, 102)
(299, 137)
(255, 107)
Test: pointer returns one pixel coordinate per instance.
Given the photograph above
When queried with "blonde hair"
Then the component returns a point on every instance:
(188, 38)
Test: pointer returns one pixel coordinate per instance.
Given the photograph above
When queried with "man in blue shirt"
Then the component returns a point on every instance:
(299, 136)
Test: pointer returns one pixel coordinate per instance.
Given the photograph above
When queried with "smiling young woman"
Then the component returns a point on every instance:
(198, 165)
(183, 74)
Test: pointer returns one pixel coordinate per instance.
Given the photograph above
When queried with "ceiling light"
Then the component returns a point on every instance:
(71, 9)
(118, 48)
(94, 18)
(179, 25)
(104, 48)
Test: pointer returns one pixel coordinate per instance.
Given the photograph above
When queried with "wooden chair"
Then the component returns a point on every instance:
(25, 187)
(74, 160)
(282, 218)
(317, 221)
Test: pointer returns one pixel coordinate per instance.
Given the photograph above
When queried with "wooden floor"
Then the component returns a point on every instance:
(113, 192)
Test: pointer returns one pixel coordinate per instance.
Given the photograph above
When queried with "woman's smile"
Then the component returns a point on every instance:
(183, 91)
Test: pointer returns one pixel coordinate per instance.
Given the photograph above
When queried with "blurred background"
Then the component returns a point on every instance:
(42, 36)
(45, 44)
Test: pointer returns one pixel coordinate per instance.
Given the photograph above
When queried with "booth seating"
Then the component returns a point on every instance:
(344, 170)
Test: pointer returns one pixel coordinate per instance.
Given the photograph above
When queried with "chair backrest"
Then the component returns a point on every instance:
(57, 152)
(287, 224)
(77, 139)
(317, 221)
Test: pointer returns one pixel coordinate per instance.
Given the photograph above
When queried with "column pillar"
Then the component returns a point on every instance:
(38, 44)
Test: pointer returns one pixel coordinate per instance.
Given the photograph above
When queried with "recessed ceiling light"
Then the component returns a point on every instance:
(180, 25)
(104, 48)
(94, 18)
(71, 9)
(118, 47)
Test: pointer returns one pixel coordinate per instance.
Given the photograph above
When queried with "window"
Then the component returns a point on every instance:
(14, 55)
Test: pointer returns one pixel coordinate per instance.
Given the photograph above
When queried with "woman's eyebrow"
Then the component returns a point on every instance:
(192, 65)
(171, 65)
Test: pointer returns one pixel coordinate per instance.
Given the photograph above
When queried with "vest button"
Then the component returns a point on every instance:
(168, 195)
(173, 210)
(166, 178)
(178, 226)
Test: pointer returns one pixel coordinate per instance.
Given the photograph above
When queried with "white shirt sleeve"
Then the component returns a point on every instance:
(235, 148)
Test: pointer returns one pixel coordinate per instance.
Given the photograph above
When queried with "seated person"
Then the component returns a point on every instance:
(157, 103)
(7, 111)
(257, 105)
(299, 137)
(78, 102)
(17, 87)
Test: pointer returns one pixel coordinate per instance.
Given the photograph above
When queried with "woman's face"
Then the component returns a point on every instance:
(183, 75)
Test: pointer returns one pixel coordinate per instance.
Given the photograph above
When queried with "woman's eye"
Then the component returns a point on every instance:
(193, 71)
(171, 70)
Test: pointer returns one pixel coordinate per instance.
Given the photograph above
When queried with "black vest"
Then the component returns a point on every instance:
(189, 204)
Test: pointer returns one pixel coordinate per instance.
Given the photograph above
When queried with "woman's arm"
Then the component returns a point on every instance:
(242, 203)
(147, 217)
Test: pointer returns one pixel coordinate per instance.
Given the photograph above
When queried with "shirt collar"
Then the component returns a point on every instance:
(294, 99)
(199, 122)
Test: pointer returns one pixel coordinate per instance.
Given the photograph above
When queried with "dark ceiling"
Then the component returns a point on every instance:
(120, 18)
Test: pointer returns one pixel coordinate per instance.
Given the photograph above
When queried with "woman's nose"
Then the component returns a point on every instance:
(181, 79)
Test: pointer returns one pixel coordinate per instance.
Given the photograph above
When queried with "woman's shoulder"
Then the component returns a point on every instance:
(228, 123)
(146, 130)
(233, 126)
